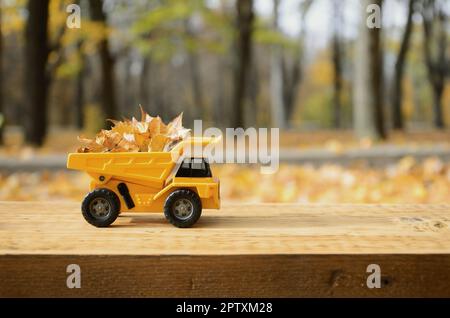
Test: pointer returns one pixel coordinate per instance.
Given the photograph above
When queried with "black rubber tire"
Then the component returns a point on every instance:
(112, 215)
(193, 198)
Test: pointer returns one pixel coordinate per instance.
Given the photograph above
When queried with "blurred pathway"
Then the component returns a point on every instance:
(376, 156)
(380, 155)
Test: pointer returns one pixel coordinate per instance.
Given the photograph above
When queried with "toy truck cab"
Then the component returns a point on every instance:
(172, 182)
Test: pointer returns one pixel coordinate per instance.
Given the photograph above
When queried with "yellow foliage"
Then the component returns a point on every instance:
(13, 20)
(322, 71)
(446, 103)
(405, 182)
(57, 16)
(93, 118)
(408, 98)
(148, 134)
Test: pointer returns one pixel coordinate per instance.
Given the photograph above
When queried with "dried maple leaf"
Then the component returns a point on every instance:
(90, 145)
(175, 124)
(155, 126)
(158, 142)
(122, 127)
(175, 129)
(148, 134)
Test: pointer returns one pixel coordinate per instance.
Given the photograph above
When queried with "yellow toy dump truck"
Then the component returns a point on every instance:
(180, 186)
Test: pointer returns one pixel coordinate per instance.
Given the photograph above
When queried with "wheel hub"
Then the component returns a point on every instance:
(100, 207)
(183, 209)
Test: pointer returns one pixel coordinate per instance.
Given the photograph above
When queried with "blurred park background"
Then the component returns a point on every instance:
(363, 112)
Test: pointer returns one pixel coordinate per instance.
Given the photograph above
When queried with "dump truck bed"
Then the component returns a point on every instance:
(147, 168)
(150, 168)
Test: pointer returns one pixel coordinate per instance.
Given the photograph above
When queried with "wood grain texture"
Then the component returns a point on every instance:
(239, 251)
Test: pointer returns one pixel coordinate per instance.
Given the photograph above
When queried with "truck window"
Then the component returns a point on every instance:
(186, 165)
(198, 164)
(194, 168)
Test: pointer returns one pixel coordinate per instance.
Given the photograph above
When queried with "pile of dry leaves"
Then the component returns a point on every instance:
(145, 135)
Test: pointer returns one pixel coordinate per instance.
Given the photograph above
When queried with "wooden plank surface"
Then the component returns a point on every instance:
(239, 251)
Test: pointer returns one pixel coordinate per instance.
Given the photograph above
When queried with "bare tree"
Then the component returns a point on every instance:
(194, 70)
(2, 120)
(109, 102)
(79, 90)
(37, 81)
(337, 64)
(435, 36)
(397, 89)
(292, 76)
(144, 87)
(276, 76)
(284, 82)
(368, 107)
(244, 26)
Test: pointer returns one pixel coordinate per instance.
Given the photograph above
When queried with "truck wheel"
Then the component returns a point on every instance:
(183, 208)
(101, 207)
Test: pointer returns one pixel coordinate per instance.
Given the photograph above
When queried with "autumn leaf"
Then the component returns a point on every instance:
(147, 134)
(158, 142)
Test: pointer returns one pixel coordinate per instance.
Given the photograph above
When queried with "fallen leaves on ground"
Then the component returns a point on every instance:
(407, 181)
(404, 182)
(132, 135)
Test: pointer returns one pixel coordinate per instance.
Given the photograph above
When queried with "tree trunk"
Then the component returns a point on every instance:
(224, 75)
(220, 115)
(293, 76)
(194, 71)
(79, 100)
(337, 66)
(368, 107)
(291, 80)
(337, 93)
(144, 86)
(436, 65)
(276, 77)
(36, 86)
(2, 113)
(253, 91)
(397, 89)
(438, 116)
(242, 66)
(127, 87)
(197, 92)
(79, 91)
(109, 102)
